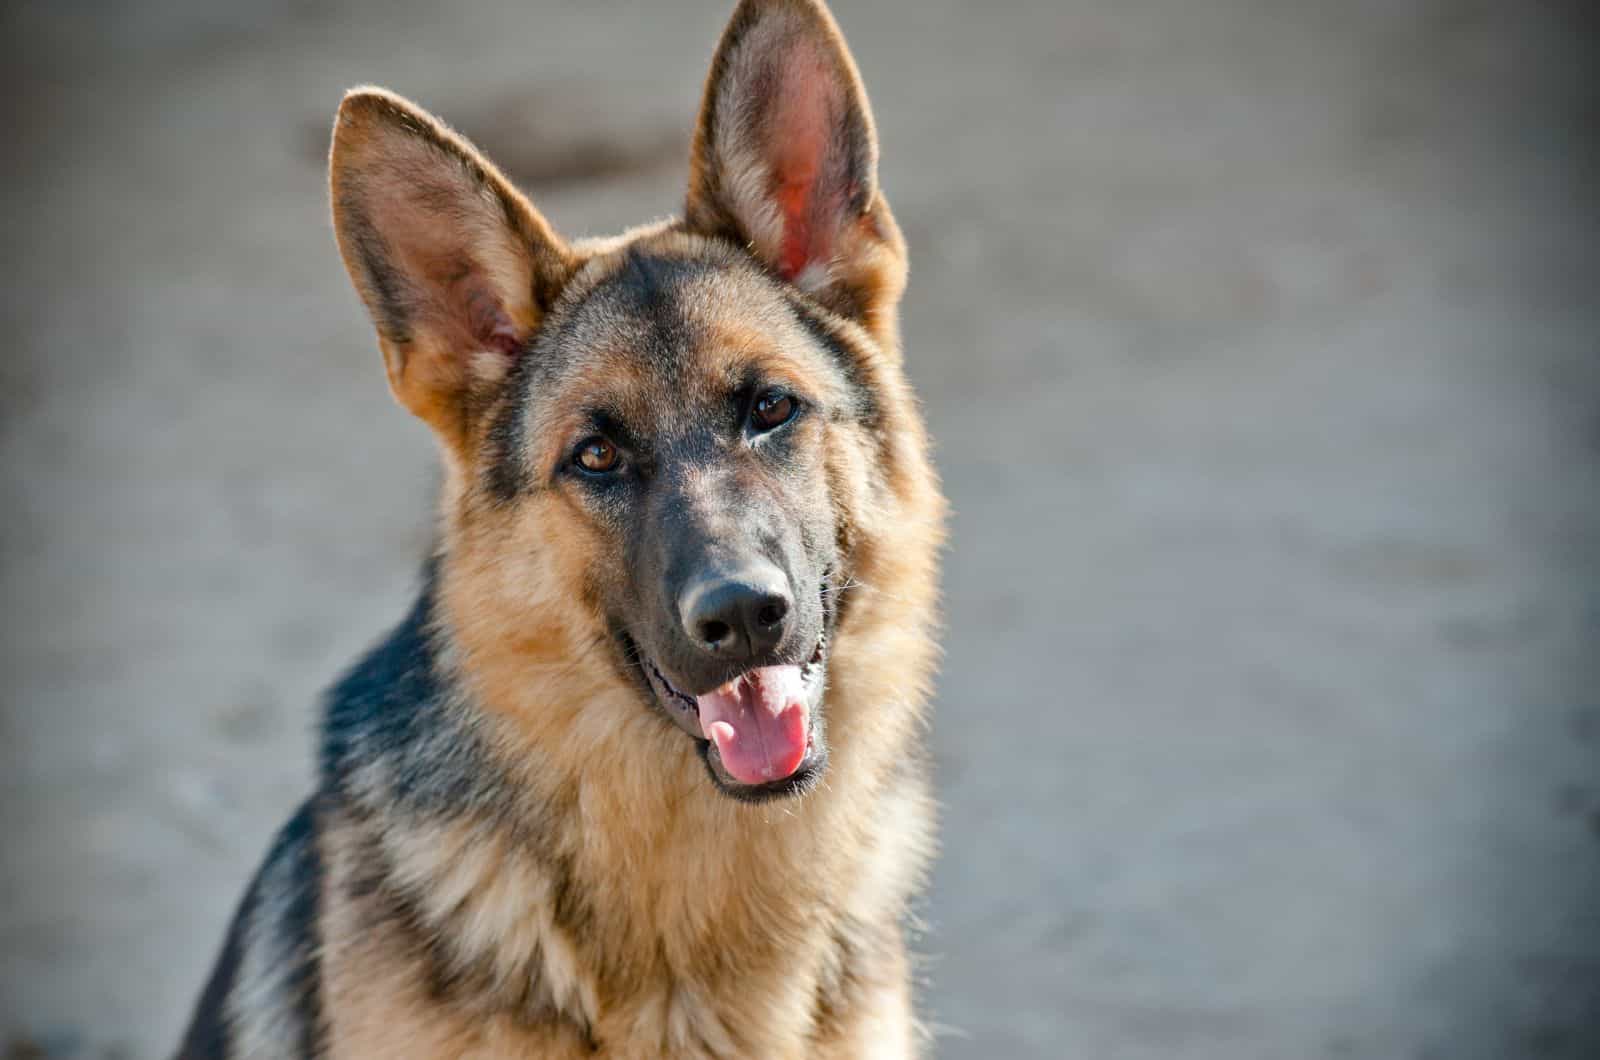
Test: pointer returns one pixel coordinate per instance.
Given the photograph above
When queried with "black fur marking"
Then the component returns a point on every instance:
(296, 928)
(506, 470)
(392, 712)
(388, 904)
(641, 288)
(645, 285)
(400, 752)
(644, 279)
(207, 1037)
(395, 717)
(866, 409)
(297, 842)
(396, 908)
(391, 309)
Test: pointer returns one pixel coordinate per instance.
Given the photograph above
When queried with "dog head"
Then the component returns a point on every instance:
(683, 435)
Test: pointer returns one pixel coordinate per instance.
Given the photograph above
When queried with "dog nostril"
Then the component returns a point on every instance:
(772, 613)
(714, 633)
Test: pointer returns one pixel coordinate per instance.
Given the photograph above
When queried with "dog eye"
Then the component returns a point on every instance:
(772, 410)
(597, 456)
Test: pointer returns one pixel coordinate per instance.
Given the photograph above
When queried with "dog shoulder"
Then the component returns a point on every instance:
(263, 997)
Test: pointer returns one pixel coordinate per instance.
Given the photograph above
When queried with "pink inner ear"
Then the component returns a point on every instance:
(800, 141)
(793, 197)
(487, 320)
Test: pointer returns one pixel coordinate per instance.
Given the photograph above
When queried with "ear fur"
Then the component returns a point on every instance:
(785, 161)
(455, 267)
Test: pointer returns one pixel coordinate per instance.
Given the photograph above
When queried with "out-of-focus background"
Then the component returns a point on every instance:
(1261, 341)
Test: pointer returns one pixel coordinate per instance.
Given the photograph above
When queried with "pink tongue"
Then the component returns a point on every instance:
(758, 722)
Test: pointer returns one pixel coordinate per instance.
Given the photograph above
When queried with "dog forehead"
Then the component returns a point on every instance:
(655, 337)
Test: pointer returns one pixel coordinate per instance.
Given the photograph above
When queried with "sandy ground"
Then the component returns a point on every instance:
(1260, 343)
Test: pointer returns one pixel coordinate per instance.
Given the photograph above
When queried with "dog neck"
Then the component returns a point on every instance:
(538, 824)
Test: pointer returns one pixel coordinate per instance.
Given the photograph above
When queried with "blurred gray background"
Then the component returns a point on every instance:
(1260, 343)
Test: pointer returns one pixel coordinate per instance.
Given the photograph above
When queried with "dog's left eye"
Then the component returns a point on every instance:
(597, 456)
(772, 410)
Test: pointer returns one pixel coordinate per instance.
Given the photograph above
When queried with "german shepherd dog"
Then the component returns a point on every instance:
(642, 772)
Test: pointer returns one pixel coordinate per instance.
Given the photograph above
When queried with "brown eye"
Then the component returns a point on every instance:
(773, 409)
(597, 456)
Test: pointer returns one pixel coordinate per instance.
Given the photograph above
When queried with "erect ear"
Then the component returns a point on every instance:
(454, 265)
(785, 160)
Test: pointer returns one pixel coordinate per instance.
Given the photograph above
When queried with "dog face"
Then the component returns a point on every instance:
(669, 433)
(680, 409)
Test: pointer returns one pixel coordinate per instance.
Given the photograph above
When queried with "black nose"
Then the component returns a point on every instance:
(737, 616)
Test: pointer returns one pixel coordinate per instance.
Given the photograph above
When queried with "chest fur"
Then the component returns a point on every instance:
(640, 942)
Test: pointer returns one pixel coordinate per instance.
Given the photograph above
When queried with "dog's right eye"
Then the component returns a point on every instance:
(597, 456)
(772, 410)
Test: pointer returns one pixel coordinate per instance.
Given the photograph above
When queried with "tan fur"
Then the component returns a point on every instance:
(494, 248)
(698, 926)
(688, 877)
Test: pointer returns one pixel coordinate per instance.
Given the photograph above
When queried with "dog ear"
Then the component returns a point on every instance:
(785, 160)
(455, 266)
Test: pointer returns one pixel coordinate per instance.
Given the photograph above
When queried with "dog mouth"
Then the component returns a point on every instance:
(758, 731)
